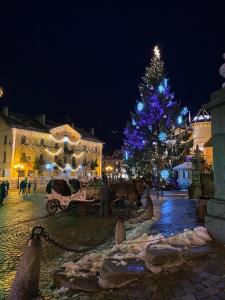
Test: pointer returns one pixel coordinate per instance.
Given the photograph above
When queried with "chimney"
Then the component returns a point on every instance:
(92, 131)
(41, 119)
(5, 111)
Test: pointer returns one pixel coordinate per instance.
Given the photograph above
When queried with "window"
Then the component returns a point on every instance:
(42, 142)
(23, 156)
(183, 174)
(4, 157)
(5, 140)
(84, 148)
(23, 139)
(3, 173)
(56, 146)
(56, 158)
(65, 160)
(65, 146)
(41, 156)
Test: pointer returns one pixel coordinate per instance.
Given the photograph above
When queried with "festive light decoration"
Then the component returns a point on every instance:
(156, 52)
(161, 88)
(1, 92)
(184, 111)
(54, 153)
(134, 123)
(126, 155)
(179, 120)
(140, 106)
(162, 136)
(164, 174)
(48, 166)
(79, 155)
(166, 82)
(66, 139)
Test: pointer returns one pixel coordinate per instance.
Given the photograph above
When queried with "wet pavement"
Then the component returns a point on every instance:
(17, 218)
(175, 216)
(20, 214)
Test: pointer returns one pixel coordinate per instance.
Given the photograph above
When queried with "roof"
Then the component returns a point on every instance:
(202, 116)
(184, 165)
(15, 120)
(20, 121)
(86, 135)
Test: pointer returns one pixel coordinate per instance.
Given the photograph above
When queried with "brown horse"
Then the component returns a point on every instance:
(131, 189)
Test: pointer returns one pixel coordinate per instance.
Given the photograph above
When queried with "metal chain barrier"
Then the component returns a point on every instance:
(38, 232)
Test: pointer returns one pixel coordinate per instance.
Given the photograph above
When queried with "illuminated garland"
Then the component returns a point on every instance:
(67, 167)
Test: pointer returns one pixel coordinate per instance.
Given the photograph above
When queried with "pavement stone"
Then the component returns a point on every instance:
(201, 295)
(211, 290)
(189, 297)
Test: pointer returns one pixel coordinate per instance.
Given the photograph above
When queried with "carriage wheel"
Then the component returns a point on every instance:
(51, 207)
(73, 208)
(82, 209)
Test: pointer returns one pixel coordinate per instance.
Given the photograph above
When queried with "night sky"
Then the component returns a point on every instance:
(84, 64)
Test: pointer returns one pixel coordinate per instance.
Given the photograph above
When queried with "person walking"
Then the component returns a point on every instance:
(2, 192)
(22, 187)
(29, 186)
(7, 187)
(35, 185)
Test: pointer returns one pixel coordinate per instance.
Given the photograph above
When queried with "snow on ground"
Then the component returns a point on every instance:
(135, 247)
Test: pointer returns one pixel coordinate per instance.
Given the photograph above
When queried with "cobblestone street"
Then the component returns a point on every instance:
(17, 218)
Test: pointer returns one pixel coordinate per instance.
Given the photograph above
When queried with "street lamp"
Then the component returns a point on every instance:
(108, 168)
(18, 168)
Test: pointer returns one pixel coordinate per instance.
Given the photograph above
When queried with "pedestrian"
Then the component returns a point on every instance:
(22, 187)
(7, 187)
(105, 199)
(2, 192)
(35, 185)
(29, 186)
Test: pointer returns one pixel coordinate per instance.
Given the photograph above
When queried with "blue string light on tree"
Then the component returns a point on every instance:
(126, 155)
(164, 174)
(134, 123)
(140, 106)
(184, 111)
(161, 88)
(166, 82)
(179, 120)
(162, 136)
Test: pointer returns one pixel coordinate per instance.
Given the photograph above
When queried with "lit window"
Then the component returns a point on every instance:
(4, 158)
(23, 139)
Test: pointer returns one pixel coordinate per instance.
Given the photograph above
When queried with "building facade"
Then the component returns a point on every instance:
(202, 135)
(36, 147)
(114, 165)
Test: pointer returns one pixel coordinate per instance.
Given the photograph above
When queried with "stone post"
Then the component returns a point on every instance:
(120, 232)
(197, 169)
(26, 282)
(215, 218)
(149, 207)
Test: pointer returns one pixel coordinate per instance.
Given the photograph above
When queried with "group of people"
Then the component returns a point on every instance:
(4, 189)
(25, 186)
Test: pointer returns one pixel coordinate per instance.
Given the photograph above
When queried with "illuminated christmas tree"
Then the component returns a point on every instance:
(158, 136)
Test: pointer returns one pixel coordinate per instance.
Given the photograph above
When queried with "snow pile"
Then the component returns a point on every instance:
(136, 249)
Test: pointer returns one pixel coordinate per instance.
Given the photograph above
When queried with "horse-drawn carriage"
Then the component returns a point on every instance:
(76, 197)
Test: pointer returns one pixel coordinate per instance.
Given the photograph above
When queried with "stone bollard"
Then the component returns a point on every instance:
(26, 282)
(149, 207)
(120, 233)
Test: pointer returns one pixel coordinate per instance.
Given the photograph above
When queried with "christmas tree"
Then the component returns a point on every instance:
(158, 137)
